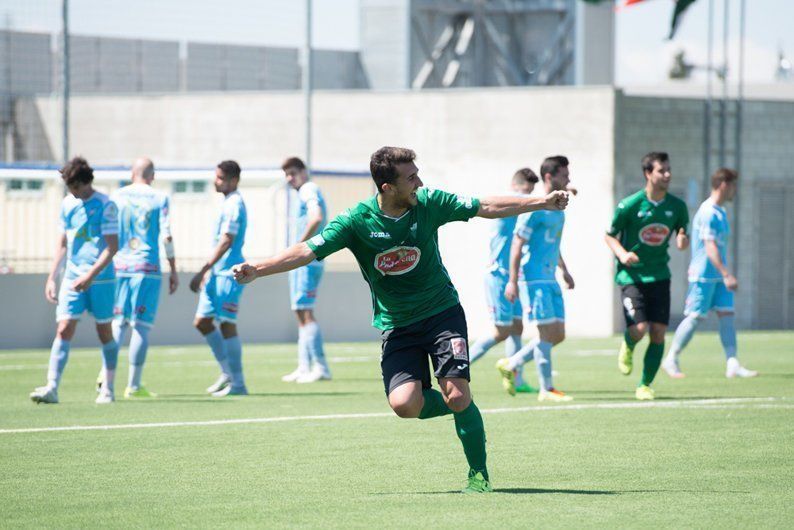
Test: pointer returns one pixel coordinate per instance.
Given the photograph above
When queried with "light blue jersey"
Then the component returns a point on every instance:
(86, 223)
(233, 220)
(542, 230)
(143, 220)
(501, 239)
(305, 199)
(710, 224)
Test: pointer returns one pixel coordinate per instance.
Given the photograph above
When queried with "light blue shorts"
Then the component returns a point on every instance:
(137, 298)
(702, 297)
(542, 301)
(503, 312)
(97, 300)
(220, 298)
(303, 285)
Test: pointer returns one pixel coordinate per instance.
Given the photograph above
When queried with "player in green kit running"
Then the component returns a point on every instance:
(641, 230)
(394, 237)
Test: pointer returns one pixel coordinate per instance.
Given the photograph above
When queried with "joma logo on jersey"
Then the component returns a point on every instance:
(654, 234)
(398, 260)
(379, 235)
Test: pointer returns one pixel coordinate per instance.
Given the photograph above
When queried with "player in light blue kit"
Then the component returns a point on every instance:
(506, 316)
(88, 227)
(307, 217)
(220, 293)
(534, 259)
(143, 222)
(711, 284)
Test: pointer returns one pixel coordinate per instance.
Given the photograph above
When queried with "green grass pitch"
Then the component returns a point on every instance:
(709, 453)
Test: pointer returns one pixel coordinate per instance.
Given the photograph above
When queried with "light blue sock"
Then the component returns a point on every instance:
(59, 355)
(110, 358)
(543, 363)
(512, 345)
(120, 327)
(304, 357)
(480, 348)
(218, 347)
(683, 334)
(139, 345)
(234, 355)
(728, 335)
(314, 340)
(524, 355)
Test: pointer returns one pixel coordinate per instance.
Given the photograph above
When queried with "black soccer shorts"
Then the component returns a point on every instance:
(646, 302)
(441, 339)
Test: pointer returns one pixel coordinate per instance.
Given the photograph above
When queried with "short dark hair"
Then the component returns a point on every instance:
(383, 162)
(552, 165)
(293, 161)
(230, 169)
(723, 174)
(525, 175)
(650, 158)
(77, 171)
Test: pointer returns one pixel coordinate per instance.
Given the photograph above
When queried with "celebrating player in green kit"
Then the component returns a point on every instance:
(394, 237)
(641, 230)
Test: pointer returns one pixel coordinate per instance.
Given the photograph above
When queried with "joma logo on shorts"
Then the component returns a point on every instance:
(397, 260)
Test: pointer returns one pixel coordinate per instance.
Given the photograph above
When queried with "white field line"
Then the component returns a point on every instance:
(596, 353)
(718, 404)
(255, 360)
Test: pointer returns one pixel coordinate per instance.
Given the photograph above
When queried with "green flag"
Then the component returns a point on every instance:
(680, 7)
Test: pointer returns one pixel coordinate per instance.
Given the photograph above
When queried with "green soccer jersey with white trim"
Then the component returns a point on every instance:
(399, 258)
(645, 228)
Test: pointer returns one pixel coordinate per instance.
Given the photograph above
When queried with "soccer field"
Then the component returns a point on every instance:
(709, 452)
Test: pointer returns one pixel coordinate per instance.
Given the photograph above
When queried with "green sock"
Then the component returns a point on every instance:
(629, 341)
(471, 432)
(434, 405)
(653, 358)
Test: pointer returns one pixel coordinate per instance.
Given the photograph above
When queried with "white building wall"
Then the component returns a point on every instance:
(468, 141)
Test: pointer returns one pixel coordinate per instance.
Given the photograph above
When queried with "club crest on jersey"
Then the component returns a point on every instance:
(397, 260)
(654, 234)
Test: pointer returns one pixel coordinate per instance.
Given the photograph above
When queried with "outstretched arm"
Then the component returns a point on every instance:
(291, 258)
(507, 206)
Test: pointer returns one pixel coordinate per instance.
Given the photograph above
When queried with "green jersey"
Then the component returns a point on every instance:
(645, 228)
(399, 258)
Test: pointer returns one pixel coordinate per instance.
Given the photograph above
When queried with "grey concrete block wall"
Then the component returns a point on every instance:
(344, 311)
(27, 63)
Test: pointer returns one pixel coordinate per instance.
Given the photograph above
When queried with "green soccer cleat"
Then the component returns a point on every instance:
(508, 377)
(625, 359)
(477, 484)
(138, 393)
(526, 388)
(644, 393)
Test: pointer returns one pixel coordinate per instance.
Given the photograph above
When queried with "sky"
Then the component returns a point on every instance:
(643, 55)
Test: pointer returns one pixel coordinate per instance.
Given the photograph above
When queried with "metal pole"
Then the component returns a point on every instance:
(724, 100)
(65, 80)
(307, 87)
(707, 112)
(738, 133)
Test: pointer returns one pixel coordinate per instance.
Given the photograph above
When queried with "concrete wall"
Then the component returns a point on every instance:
(343, 310)
(468, 141)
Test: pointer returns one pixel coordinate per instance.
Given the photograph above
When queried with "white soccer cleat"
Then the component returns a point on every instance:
(294, 376)
(737, 370)
(105, 396)
(44, 394)
(317, 374)
(670, 365)
(222, 382)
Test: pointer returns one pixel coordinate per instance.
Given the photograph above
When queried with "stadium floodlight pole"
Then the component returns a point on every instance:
(65, 77)
(707, 112)
(738, 130)
(307, 87)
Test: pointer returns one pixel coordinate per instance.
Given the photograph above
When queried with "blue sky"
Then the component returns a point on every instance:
(643, 55)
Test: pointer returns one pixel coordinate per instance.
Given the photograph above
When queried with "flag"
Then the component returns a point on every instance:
(680, 7)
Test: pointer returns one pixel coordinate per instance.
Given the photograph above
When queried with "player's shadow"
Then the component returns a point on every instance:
(541, 491)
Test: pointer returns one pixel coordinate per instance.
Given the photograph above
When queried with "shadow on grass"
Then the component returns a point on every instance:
(540, 491)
